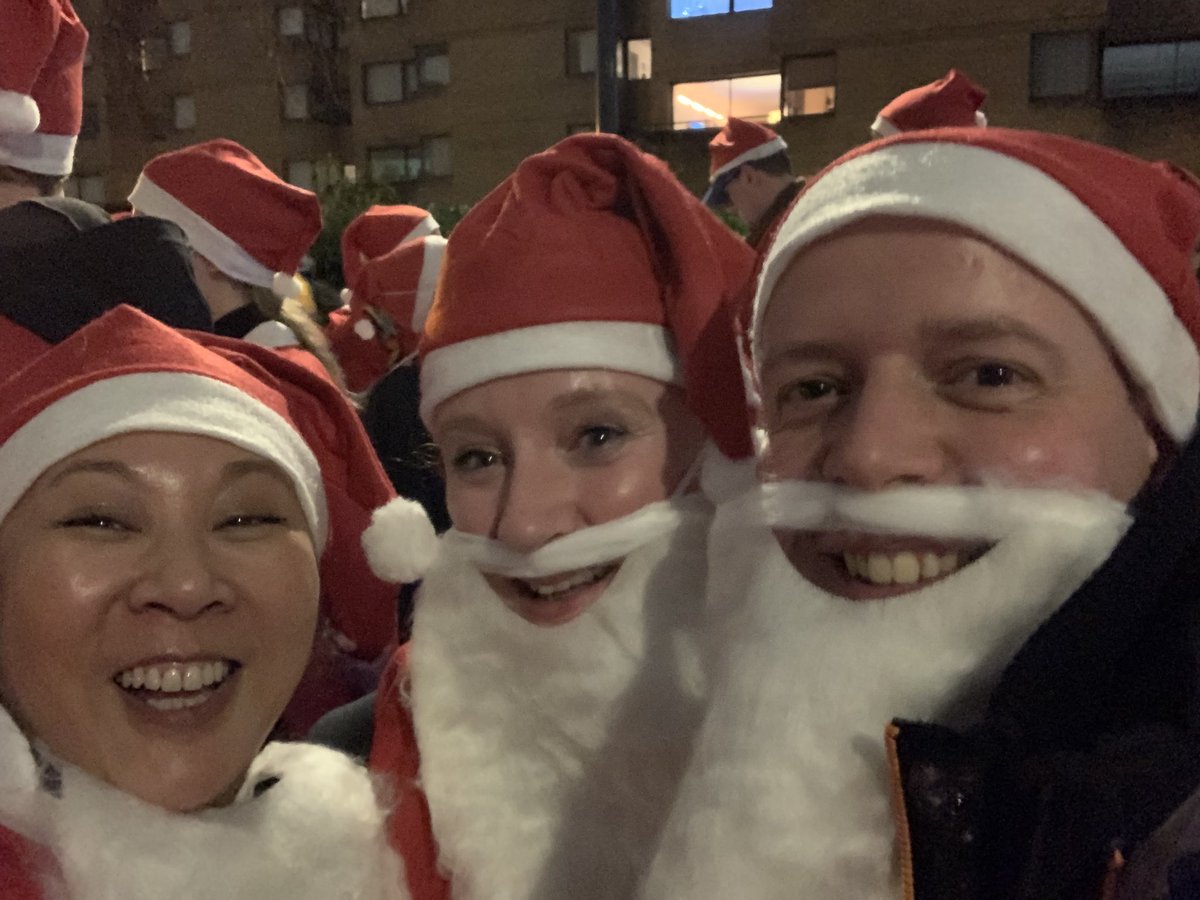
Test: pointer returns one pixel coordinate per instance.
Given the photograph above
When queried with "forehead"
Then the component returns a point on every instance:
(181, 453)
(887, 277)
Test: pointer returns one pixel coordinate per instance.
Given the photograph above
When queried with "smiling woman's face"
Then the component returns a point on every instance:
(158, 600)
(534, 457)
(903, 353)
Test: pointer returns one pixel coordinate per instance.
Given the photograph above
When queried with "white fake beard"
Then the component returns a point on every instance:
(316, 834)
(550, 756)
(788, 792)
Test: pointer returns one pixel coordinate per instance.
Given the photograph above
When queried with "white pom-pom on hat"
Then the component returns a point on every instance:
(400, 542)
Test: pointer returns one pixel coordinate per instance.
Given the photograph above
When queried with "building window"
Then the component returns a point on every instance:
(184, 112)
(152, 53)
(633, 59)
(394, 163)
(435, 157)
(809, 85)
(1062, 64)
(581, 52)
(383, 82)
(1151, 70)
(433, 66)
(378, 9)
(709, 104)
(291, 22)
(295, 102)
(300, 174)
(691, 9)
(180, 38)
(89, 129)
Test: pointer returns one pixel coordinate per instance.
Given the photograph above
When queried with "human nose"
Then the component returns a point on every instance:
(887, 434)
(180, 575)
(538, 504)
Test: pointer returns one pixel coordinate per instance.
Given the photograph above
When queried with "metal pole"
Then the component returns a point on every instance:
(608, 86)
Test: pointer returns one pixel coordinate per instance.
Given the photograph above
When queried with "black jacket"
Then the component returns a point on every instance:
(1092, 738)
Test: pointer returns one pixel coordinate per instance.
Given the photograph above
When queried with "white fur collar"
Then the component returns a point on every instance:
(550, 756)
(318, 833)
(787, 792)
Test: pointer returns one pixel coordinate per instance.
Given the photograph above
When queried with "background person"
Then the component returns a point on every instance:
(751, 173)
(159, 594)
(577, 357)
(41, 96)
(965, 407)
(249, 230)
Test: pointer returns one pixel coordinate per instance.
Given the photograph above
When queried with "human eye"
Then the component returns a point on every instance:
(991, 383)
(96, 521)
(251, 520)
(474, 459)
(598, 437)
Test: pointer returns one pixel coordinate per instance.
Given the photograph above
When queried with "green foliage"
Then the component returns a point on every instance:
(342, 200)
(730, 218)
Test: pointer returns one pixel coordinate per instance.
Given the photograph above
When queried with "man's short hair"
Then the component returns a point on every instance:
(45, 185)
(775, 164)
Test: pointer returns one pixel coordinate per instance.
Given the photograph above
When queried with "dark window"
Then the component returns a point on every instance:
(90, 127)
(383, 82)
(809, 85)
(394, 163)
(1062, 64)
(1151, 70)
(581, 52)
(377, 9)
(436, 158)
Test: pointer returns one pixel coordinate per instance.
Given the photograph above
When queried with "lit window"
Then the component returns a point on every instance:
(434, 63)
(291, 21)
(709, 104)
(350, 172)
(295, 102)
(300, 174)
(581, 52)
(633, 59)
(180, 38)
(691, 9)
(185, 112)
(152, 52)
(394, 163)
(809, 85)
(1151, 70)
(383, 82)
(91, 189)
(435, 156)
(375, 9)
(1062, 64)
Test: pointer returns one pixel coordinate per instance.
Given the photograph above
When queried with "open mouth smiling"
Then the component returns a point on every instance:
(176, 685)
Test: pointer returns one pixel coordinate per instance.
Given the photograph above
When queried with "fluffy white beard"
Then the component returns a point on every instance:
(787, 793)
(318, 833)
(550, 756)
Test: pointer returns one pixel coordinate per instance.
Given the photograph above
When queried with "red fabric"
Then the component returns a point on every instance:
(380, 230)
(383, 300)
(21, 865)
(736, 139)
(951, 101)
(394, 754)
(30, 29)
(595, 230)
(59, 87)
(1152, 208)
(231, 189)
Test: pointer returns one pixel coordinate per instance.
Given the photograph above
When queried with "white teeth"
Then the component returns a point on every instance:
(174, 678)
(168, 704)
(904, 567)
(585, 577)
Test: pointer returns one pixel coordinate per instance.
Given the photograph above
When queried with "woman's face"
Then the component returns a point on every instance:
(534, 457)
(158, 600)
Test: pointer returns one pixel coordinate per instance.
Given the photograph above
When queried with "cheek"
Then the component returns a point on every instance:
(625, 486)
(473, 510)
(788, 455)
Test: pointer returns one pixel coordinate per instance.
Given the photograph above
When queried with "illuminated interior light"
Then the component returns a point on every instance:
(699, 107)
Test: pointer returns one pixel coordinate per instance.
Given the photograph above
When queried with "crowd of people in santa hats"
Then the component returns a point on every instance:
(853, 559)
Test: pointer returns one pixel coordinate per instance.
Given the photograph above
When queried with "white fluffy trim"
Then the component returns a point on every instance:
(18, 113)
(286, 286)
(400, 542)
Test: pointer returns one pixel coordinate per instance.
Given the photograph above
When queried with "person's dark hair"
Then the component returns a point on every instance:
(45, 185)
(775, 164)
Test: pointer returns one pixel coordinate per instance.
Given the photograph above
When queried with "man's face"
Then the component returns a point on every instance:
(750, 194)
(905, 353)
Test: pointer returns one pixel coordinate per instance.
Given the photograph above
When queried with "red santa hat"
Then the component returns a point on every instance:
(379, 230)
(737, 143)
(1115, 232)
(951, 101)
(388, 305)
(42, 44)
(592, 255)
(236, 213)
(125, 372)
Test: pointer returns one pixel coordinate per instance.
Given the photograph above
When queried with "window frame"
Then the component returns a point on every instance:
(401, 10)
(1092, 88)
(784, 109)
(573, 63)
(287, 89)
(408, 150)
(402, 65)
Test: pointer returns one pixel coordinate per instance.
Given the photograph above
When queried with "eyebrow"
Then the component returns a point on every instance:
(591, 396)
(242, 468)
(95, 466)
